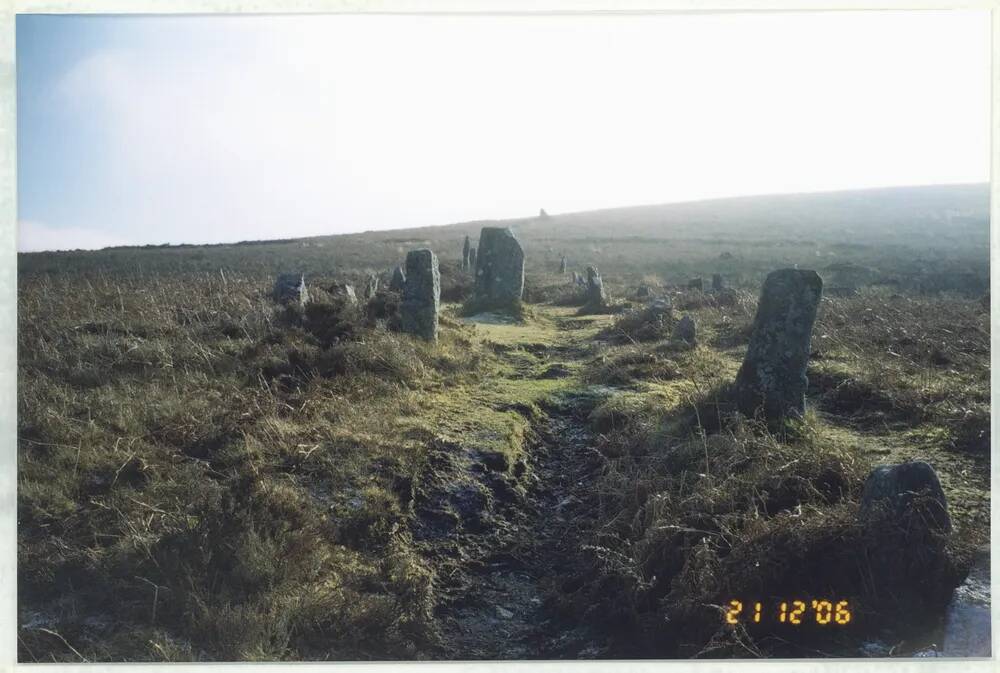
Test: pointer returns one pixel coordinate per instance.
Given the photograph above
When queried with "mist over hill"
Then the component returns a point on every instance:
(929, 226)
(937, 214)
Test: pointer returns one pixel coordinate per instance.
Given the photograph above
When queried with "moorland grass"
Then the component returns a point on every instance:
(203, 475)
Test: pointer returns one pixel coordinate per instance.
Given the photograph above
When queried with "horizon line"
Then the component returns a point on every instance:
(731, 197)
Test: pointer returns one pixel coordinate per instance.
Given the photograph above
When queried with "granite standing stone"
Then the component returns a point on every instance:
(499, 269)
(291, 287)
(562, 264)
(596, 295)
(421, 295)
(662, 306)
(344, 291)
(893, 489)
(398, 280)
(465, 254)
(685, 330)
(371, 286)
(717, 282)
(772, 378)
(472, 258)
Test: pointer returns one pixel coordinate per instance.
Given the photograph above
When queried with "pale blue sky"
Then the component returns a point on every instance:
(136, 130)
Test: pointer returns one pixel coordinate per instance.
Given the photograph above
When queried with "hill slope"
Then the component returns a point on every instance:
(945, 223)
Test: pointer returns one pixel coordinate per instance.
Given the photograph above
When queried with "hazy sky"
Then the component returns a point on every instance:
(210, 129)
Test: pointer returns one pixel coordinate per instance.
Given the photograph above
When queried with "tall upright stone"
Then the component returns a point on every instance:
(499, 269)
(465, 254)
(562, 265)
(344, 292)
(371, 286)
(472, 258)
(291, 288)
(597, 297)
(398, 280)
(421, 295)
(717, 282)
(685, 330)
(772, 378)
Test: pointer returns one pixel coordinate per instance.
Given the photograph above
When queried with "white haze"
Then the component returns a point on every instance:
(225, 129)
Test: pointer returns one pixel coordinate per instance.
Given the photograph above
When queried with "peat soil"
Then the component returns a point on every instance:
(500, 607)
(505, 539)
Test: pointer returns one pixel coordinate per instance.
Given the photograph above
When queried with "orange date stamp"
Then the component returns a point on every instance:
(796, 612)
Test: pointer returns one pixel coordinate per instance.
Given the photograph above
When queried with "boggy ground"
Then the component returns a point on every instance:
(204, 477)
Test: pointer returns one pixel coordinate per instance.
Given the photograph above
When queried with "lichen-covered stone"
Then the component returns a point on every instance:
(894, 490)
(662, 305)
(685, 330)
(344, 291)
(772, 379)
(291, 288)
(597, 296)
(421, 295)
(398, 280)
(499, 269)
(371, 286)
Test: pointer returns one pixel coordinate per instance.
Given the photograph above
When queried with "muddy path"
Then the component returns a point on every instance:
(506, 540)
(505, 611)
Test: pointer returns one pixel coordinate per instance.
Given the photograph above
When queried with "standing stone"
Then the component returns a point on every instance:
(717, 282)
(773, 374)
(642, 292)
(662, 307)
(344, 291)
(696, 284)
(904, 526)
(371, 286)
(685, 330)
(542, 214)
(562, 264)
(893, 490)
(596, 296)
(499, 269)
(465, 254)
(472, 259)
(421, 295)
(398, 280)
(291, 288)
